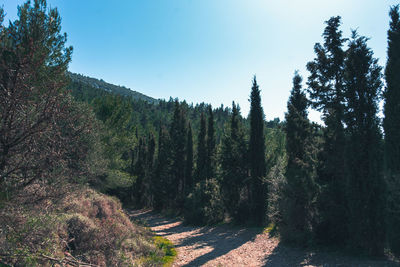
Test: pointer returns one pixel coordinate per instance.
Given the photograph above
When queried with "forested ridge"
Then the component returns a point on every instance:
(79, 82)
(67, 141)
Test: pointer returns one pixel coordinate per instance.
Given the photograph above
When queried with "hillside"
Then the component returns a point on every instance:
(111, 88)
(81, 228)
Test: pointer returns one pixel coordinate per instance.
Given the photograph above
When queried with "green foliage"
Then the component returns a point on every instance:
(345, 85)
(189, 183)
(210, 159)
(204, 206)
(257, 192)
(300, 188)
(163, 170)
(35, 112)
(26, 243)
(178, 133)
(168, 249)
(277, 183)
(116, 139)
(201, 166)
(121, 116)
(234, 166)
(365, 183)
(142, 169)
(326, 90)
(275, 145)
(102, 86)
(391, 125)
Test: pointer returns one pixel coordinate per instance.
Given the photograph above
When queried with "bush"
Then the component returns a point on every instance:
(91, 227)
(168, 248)
(204, 206)
(276, 184)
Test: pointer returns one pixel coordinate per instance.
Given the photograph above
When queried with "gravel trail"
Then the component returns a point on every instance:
(233, 246)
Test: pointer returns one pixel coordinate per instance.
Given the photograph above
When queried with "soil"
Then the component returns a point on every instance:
(225, 245)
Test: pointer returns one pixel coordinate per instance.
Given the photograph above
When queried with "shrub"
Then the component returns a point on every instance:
(204, 205)
(276, 184)
(91, 227)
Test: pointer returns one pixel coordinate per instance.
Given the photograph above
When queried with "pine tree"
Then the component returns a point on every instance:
(201, 168)
(391, 125)
(365, 181)
(210, 160)
(233, 165)
(189, 162)
(257, 157)
(326, 91)
(37, 116)
(300, 188)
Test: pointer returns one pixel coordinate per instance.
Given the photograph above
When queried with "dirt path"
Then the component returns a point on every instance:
(228, 246)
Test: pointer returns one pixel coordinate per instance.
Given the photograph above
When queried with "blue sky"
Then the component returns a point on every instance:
(208, 50)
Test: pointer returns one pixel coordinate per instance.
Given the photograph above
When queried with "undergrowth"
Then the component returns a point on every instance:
(272, 230)
(168, 248)
(84, 226)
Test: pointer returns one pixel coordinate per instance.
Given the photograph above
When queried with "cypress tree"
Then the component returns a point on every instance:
(300, 188)
(201, 171)
(140, 172)
(326, 91)
(132, 167)
(210, 160)
(178, 141)
(391, 125)
(365, 182)
(189, 161)
(151, 148)
(233, 165)
(257, 157)
(162, 178)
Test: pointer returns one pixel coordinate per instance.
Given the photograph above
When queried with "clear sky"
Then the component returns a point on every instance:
(208, 50)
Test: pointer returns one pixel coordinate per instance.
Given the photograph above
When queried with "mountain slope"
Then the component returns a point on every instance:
(111, 88)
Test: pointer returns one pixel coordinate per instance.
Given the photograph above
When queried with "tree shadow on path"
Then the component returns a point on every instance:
(214, 241)
(290, 256)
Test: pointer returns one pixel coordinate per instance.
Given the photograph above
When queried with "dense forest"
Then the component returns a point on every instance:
(65, 137)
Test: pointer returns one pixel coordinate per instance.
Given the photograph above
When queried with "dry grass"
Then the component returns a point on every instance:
(85, 226)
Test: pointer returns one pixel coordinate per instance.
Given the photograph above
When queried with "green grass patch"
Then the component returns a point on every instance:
(271, 229)
(168, 248)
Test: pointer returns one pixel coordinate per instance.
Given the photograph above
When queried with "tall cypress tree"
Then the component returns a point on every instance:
(151, 148)
(189, 161)
(391, 125)
(201, 167)
(257, 156)
(365, 181)
(210, 160)
(326, 91)
(233, 165)
(162, 178)
(140, 172)
(300, 188)
(132, 167)
(178, 139)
